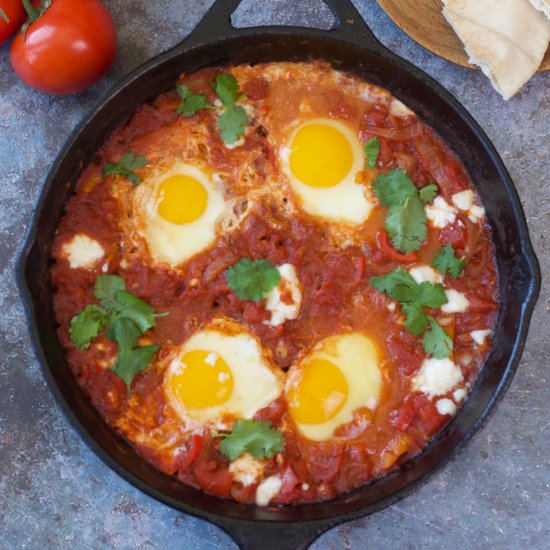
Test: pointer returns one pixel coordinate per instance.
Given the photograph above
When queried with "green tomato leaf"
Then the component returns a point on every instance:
(259, 439)
(86, 325)
(445, 262)
(231, 123)
(436, 341)
(227, 88)
(131, 361)
(252, 280)
(372, 150)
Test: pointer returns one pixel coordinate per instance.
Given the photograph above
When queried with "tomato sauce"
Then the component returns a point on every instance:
(334, 277)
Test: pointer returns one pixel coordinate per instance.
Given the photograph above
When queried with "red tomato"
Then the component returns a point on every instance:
(67, 49)
(14, 12)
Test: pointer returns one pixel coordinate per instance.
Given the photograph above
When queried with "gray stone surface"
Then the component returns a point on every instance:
(54, 493)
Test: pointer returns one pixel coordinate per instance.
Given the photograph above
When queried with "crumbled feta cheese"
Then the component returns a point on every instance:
(399, 109)
(211, 359)
(305, 486)
(391, 306)
(424, 273)
(437, 377)
(235, 144)
(463, 200)
(105, 268)
(476, 213)
(246, 469)
(460, 394)
(289, 308)
(82, 251)
(445, 406)
(267, 489)
(456, 302)
(479, 336)
(440, 212)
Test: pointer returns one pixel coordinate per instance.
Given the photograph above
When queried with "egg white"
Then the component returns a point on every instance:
(256, 381)
(169, 242)
(345, 202)
(357, 357)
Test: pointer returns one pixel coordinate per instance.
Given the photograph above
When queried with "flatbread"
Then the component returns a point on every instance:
(543, 6)
(507, 39)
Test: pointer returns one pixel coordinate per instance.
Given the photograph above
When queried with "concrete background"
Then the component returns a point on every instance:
(54, 493)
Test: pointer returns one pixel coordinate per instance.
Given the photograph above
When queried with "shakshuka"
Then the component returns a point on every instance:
(276, 282)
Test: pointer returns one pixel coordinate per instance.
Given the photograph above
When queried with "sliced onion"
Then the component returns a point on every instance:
(397, 134)
(431, 160)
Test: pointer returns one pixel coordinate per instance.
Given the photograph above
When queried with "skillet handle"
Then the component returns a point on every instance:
(274, 536)
(348, 26)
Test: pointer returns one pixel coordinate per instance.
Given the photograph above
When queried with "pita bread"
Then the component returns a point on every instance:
(507, 39)
(543, 6)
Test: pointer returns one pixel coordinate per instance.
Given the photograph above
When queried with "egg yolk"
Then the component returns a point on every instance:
(320, 393)
(181, 199)
(320, 156)
(204, 380)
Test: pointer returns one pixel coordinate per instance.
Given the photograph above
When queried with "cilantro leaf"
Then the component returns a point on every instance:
(190, 102)
(372, 149)
(406, 218)
(86, 325)
(126, 166)
(227, 88)
(445, 261)
(416, 321)
(389, 282)
(428, 193)
(394, 188)
(252, 280)
(124, 317)
(132, 307)
(231, 123)
(436, 341)
(131, 361)
(430, 295)
(406, 225)
(260, 439)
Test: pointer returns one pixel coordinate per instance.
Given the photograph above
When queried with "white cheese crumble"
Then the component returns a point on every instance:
(440, 212)
(282, 311)
(437, 377)
(464, 200)
(460, 394)
(456, 302)
(82, 251)
(211, 359)
(391, 306)
(479, 336)
(445, 406)
(246, 469)
(424, 273)
(399, 109)
(267, 489)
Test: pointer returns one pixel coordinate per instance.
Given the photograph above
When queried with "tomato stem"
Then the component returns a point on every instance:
(32, 12)
(4, 16)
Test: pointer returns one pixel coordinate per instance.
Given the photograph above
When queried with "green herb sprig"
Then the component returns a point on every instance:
(126, 166)
(259, 439)
(413, 296)
(124, 318)
(252, 280)
(406, 217)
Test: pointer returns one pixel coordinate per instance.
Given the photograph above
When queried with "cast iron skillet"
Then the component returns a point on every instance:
(349, 46)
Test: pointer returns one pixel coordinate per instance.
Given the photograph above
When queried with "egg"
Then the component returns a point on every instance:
(321, 159)
(177, 212)
(220, 371)
(340, 375)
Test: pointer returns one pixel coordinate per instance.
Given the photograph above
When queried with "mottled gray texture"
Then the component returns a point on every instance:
(54, 493)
